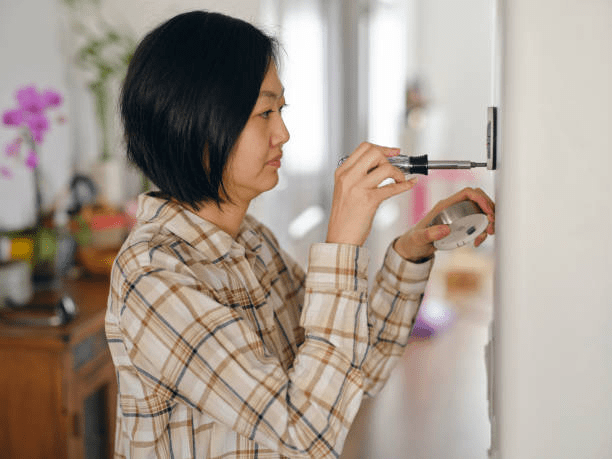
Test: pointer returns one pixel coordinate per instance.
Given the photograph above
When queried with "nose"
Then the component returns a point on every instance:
(280, 135)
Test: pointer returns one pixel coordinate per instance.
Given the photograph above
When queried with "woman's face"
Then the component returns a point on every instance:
(256, 157)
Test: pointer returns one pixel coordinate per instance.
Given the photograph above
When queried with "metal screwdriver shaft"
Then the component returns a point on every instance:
(421, 164)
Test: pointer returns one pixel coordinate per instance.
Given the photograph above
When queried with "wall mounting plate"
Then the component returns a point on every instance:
(466, 222)
(492, 138)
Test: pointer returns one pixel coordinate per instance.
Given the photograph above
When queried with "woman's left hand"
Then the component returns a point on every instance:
(417, 242)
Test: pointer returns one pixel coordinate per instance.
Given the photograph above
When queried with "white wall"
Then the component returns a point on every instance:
(143, 15)
(453, 59)
(31, 53)
(554, 308)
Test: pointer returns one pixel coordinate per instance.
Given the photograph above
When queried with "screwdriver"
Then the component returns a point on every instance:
(422, 165)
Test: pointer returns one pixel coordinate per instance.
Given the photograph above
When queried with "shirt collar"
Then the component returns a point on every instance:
(201, 234)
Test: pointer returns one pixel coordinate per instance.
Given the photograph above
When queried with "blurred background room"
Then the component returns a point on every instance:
(414, 74)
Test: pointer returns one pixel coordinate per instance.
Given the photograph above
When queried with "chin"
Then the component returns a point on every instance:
(266, 184)
(272, 185)
(272, 179)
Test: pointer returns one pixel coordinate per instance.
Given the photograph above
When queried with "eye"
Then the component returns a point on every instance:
(265, 115)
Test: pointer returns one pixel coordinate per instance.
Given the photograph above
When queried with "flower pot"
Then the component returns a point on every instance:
(18, 201)
(108, 178)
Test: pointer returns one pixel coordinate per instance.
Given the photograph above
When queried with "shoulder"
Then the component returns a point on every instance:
(142, 243)
(146, 250)
(155, 265)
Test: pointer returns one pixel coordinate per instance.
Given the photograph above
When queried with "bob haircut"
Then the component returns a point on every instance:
(189, 90)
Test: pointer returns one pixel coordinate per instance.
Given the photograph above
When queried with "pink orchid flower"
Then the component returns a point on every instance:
(30, 99)
(12, 117)
(51, 98)
(38, 124)
(13, 148)
(31, 119)
(32, 159)
(5, 172)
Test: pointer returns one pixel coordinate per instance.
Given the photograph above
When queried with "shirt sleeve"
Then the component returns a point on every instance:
(189, 349)
(394, 302)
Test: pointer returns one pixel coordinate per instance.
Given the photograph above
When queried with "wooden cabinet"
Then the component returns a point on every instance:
(57, 384)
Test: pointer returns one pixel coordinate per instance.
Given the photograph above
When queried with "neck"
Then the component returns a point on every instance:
(227, 216)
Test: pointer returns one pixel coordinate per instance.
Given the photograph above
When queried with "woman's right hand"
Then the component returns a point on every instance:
(357, 193)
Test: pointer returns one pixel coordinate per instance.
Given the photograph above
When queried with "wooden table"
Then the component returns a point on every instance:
(57, 384)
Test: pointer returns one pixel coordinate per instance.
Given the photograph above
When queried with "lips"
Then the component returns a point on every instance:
(275, 162)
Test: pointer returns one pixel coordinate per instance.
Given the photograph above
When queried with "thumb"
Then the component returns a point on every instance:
(431, 234)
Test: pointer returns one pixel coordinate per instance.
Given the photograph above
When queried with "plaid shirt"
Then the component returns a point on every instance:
(226, 349)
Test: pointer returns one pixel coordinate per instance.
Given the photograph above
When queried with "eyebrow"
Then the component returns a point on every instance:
(272, 94)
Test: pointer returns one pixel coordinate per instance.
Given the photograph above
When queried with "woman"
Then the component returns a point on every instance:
(223, 346)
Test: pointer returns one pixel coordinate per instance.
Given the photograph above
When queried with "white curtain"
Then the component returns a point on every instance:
(344, 69)
(297, 208)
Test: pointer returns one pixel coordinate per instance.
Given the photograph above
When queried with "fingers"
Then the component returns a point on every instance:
(486, 204)
(383, 172)
(357, 194)
(417, 242)
(479, 197)
(476, 195)
(368, 167)
(434, 233)
(431, 234)
(368, 156)
(480, 239)
(387, 191)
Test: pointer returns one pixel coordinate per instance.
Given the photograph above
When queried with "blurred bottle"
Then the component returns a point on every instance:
(45, 250)
(16, 248)
(66, 245)
(16, 261)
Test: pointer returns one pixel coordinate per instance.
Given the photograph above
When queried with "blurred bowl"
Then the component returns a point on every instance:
(95, 260)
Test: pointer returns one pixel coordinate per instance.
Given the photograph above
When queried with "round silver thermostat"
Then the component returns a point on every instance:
(466, 222)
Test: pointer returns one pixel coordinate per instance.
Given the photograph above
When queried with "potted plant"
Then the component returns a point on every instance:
(102, 56)
(32, 121)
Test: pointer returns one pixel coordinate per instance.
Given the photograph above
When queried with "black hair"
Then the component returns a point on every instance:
(189, 90)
